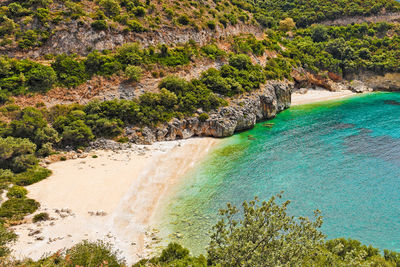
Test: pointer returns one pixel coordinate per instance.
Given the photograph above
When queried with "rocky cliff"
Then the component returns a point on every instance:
(387, 82)
(241, 114)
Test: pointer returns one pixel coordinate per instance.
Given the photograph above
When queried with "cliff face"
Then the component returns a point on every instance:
(242, 114)
(387, 82)
(75, 38)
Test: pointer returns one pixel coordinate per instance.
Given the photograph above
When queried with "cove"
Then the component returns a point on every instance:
(341, 157)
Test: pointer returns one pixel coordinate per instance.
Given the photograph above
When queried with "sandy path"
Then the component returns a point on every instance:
(124, 188)
(313, 96)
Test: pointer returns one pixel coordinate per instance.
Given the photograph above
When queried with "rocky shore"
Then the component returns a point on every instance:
(241, 114)
(244, 111)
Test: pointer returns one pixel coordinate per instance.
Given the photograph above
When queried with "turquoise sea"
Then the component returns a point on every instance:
(341, 157)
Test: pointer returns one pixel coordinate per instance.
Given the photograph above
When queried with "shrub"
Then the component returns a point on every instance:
(14, 152)
(111, 7)
(41, 78)
(212, 51)
(31, 176)
(241, 61)
(211, 24)
(134, 73)
(77, 133)
(139, 11)
(43, 216)
(183, 19)
(3, 97)
(319, 33)
(93, 254)
(203, 117)
(135, 26)
(173, 252)
(174, 84)
(99, 25)
(17, 192)
(17, 208)
(287, 25)
(70, 72)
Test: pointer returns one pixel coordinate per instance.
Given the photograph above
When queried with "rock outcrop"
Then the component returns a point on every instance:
(359, 87)
(242, 114)
(386, 82)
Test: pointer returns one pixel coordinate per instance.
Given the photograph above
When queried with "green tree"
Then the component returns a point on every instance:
(287, 25)
(70, 72)
(264, 235)
(319, 33)
(41, 78)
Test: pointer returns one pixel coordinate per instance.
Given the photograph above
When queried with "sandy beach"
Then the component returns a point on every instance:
(113, 197)
(318, 95)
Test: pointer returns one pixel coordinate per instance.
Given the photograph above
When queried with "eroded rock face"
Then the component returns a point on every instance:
(359, 87)
(387, 82)
(242, 114)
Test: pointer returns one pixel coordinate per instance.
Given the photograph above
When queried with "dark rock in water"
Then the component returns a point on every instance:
(242, 114)
(268, 124)
(392, 102)
(251, 137)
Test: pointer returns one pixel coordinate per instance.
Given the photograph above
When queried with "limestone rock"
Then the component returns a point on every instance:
(359, 87)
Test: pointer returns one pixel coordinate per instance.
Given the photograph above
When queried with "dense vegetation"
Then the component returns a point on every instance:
(28, 24)
(305, 13)
(291, 41)
(261, 234)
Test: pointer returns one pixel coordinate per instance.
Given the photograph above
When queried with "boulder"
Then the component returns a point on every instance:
(359, 87)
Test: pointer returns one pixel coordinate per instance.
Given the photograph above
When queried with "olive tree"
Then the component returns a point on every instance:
(263, 234)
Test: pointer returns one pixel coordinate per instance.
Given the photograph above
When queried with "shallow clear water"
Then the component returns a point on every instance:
(340, 157)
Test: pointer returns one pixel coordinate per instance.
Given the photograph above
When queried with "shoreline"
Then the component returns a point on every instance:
(319, 95)
(113, 198)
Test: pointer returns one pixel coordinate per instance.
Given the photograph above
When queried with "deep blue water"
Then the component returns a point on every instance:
(342, 158)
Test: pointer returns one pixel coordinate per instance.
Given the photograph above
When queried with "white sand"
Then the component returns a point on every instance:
(318, 95)
(127, 186)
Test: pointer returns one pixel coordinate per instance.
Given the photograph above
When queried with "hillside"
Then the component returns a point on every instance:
(136, 71)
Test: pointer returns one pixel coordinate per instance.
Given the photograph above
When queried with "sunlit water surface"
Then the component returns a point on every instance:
(340, 157)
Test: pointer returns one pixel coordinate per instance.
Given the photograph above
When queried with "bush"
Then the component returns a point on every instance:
(43, 216)
(93, 254)
(319, 33)
(111, 7)
(31, 176)
(212, 51)
(203, 117)
(241, 61)
(16, 154)
(134, 73)
(41, 78)
(139, 11)
(77, 133)
(17, 208)
(17, 192)
(173, 252)
(99, 25)
(287, 25)
(183, 19)
(211, 24)
(70, 72)
(135, 26)
(174, 84)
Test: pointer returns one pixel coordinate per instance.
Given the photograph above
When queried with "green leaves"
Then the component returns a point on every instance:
(263, 234)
